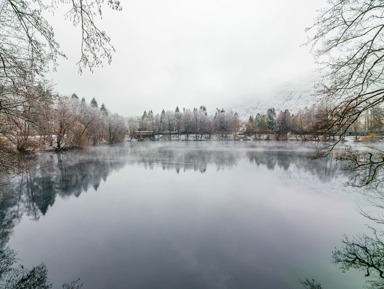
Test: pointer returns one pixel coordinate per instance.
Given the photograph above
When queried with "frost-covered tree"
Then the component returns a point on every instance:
(348, 37)
(169, 122)
(28, 44)
(187, 119)
(103, 109)
(116, 129)
(151, 121)
(28, 49)
(283, 123)
(94, 103)
(178, 122)
(29, 117)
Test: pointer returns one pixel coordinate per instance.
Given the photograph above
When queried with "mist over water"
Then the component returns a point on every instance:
(183, 215)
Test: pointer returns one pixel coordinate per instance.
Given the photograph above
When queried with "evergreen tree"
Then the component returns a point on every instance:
(204, 109)
(103, 109)
(94, 103)
(271, 119)
(162, 121)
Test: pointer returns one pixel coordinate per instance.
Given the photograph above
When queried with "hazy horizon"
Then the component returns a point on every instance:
(183, 53)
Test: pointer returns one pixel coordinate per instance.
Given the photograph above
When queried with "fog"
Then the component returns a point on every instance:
(192, 53)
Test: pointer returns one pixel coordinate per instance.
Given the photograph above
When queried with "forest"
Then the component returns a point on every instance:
(38, 119)
(305, 124)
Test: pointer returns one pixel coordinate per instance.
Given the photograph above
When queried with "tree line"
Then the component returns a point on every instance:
(310, 123)
(186, 122)
(313, 123)
(41, 120)
(31, 116)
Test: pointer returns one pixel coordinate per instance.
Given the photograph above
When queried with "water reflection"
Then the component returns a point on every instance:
(13, 276)
(198, 159)
(324, 169)
(51, 175)
(16, 276)
(365, 253)
(64, 174)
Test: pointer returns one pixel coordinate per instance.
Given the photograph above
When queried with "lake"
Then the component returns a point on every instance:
(183, 215)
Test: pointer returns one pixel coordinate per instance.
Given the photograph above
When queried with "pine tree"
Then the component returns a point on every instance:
(94, 103)
(103, 109)
(271, 119)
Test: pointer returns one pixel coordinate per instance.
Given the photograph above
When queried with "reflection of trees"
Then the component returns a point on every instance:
(311, 284)
(196, 160)
(200, 159)
(33, 191)
(49, 175)
(14, 276)
(324, 168)
(70, 173)
(367, 167)
(62, 174)
(9, 216)
(365, 253)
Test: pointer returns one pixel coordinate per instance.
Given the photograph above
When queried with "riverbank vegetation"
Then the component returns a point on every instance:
(308, 124)
(186, 122)
(32, 116)
(52, 122)
(305, 124)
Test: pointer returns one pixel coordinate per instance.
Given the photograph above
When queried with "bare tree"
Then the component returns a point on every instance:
(28, 43)
(28, 49)
(116, 129)
(348, 39)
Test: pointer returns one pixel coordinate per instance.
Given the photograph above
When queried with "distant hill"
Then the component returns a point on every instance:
(290, 96)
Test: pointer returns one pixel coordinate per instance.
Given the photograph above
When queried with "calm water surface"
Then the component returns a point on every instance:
(184, 215)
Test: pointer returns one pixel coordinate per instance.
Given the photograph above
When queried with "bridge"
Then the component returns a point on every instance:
(144, 134)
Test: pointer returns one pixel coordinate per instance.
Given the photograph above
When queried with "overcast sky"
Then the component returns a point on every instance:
(216, 53)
